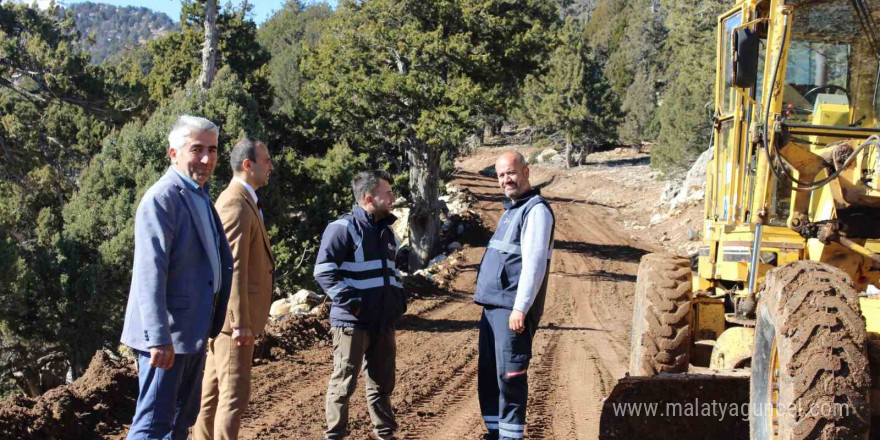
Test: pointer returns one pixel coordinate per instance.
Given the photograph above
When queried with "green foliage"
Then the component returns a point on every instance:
(54, 110)
(685, 119)
(287, 36)
(631, 37)
(640, 107)
(573, 96)
(410, 79)
(66, 201)
(322, 192)
(106, 30)
(95, 249)
(172, 60)
(71, 176)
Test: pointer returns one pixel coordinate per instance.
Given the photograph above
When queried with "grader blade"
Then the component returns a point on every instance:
(678, 407)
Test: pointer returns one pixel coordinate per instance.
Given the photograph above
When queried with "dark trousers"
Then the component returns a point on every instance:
(168, 401)
(354, 349)
(502, 381)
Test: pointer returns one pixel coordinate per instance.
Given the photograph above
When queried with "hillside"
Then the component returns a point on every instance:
(113, 28)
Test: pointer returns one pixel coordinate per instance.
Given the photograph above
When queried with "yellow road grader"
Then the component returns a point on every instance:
(784, 290)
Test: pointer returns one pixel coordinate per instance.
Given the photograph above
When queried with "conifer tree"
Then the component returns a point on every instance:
(573, 96)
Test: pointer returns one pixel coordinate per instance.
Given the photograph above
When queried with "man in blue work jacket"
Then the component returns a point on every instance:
(511, 287)
(355, 267)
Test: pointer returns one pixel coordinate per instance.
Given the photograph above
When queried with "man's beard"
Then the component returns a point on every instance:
(511, 192)
(380, 212)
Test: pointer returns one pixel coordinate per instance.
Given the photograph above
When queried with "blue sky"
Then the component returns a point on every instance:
(263, 9)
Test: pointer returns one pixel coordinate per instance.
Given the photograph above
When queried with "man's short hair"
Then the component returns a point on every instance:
(366, 181)
(187, 125)
(246, 148)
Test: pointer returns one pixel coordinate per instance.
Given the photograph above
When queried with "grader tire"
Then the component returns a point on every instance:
(810, 359)
(661, 334)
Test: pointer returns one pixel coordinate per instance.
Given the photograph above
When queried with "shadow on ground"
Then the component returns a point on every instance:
(601, 251)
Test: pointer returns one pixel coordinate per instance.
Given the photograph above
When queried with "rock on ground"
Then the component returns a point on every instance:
(692, 187)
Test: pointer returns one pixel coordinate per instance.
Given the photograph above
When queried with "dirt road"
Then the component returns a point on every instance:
(580, 350)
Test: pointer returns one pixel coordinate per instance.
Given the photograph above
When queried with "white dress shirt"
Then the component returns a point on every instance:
(250, 191)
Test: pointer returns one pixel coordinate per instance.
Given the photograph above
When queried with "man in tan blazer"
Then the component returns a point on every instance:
(227, 380)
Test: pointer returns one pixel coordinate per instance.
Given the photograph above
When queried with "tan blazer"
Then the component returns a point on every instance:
(253, 263)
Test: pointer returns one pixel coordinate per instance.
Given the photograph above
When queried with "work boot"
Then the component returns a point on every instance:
(375, 436)
(490, 436)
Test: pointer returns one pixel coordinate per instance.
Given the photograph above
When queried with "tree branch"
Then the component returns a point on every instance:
(28, 95)
(5, 150)
(55, 164)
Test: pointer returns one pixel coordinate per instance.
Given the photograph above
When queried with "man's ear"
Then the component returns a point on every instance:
(368, 199)
(172, 153)
(246, 164)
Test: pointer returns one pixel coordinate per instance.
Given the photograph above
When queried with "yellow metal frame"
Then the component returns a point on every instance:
(739, 199)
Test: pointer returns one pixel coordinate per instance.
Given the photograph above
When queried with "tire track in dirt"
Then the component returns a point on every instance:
(278, 393)
(580, 349)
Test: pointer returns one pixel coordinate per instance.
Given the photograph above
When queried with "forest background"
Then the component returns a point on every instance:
(88, 94)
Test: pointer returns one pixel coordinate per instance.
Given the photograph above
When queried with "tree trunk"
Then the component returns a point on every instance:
(475, 140)
(568, 147)
(585, 151)
(424, 218)
(79, 358)
(497, 126)
(209, 48)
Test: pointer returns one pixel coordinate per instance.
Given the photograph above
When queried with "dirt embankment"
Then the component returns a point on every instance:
(99, 403)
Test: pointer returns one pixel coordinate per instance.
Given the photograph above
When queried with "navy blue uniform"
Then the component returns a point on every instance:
(355, 267)
(503, 353)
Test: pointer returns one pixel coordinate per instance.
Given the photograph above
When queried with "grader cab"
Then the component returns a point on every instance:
(783, 294)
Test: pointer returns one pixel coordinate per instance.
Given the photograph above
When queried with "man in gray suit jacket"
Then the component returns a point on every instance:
(180, 284)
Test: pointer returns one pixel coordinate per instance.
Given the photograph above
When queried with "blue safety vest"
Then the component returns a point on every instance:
(355, 267)
(501, 266)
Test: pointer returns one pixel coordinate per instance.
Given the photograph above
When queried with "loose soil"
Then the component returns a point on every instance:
(580, 351)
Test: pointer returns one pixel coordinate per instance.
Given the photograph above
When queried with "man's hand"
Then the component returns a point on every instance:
(162, 356)
(242, 336)
(517, 321)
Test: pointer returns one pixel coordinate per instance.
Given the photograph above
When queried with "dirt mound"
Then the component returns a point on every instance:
(293, 333)
(94, 405)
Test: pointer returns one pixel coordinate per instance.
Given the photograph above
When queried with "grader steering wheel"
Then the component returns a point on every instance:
(830, 88)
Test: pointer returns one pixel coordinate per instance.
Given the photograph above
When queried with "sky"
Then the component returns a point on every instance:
(263, 9)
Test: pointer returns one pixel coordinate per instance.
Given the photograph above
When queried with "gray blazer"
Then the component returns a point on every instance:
(172, 299)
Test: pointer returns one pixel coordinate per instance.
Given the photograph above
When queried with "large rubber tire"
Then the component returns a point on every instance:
(661, 333)
(811, 348)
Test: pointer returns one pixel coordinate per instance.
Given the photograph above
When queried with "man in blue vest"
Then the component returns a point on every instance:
(355, 267)
(511, 287)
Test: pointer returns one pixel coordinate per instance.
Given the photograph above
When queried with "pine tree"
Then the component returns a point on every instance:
(287, 36)
(686, 113)
(574, 96)
(412, 78)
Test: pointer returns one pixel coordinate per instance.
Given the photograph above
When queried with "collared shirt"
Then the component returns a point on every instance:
(253, 194)
(206, 218)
